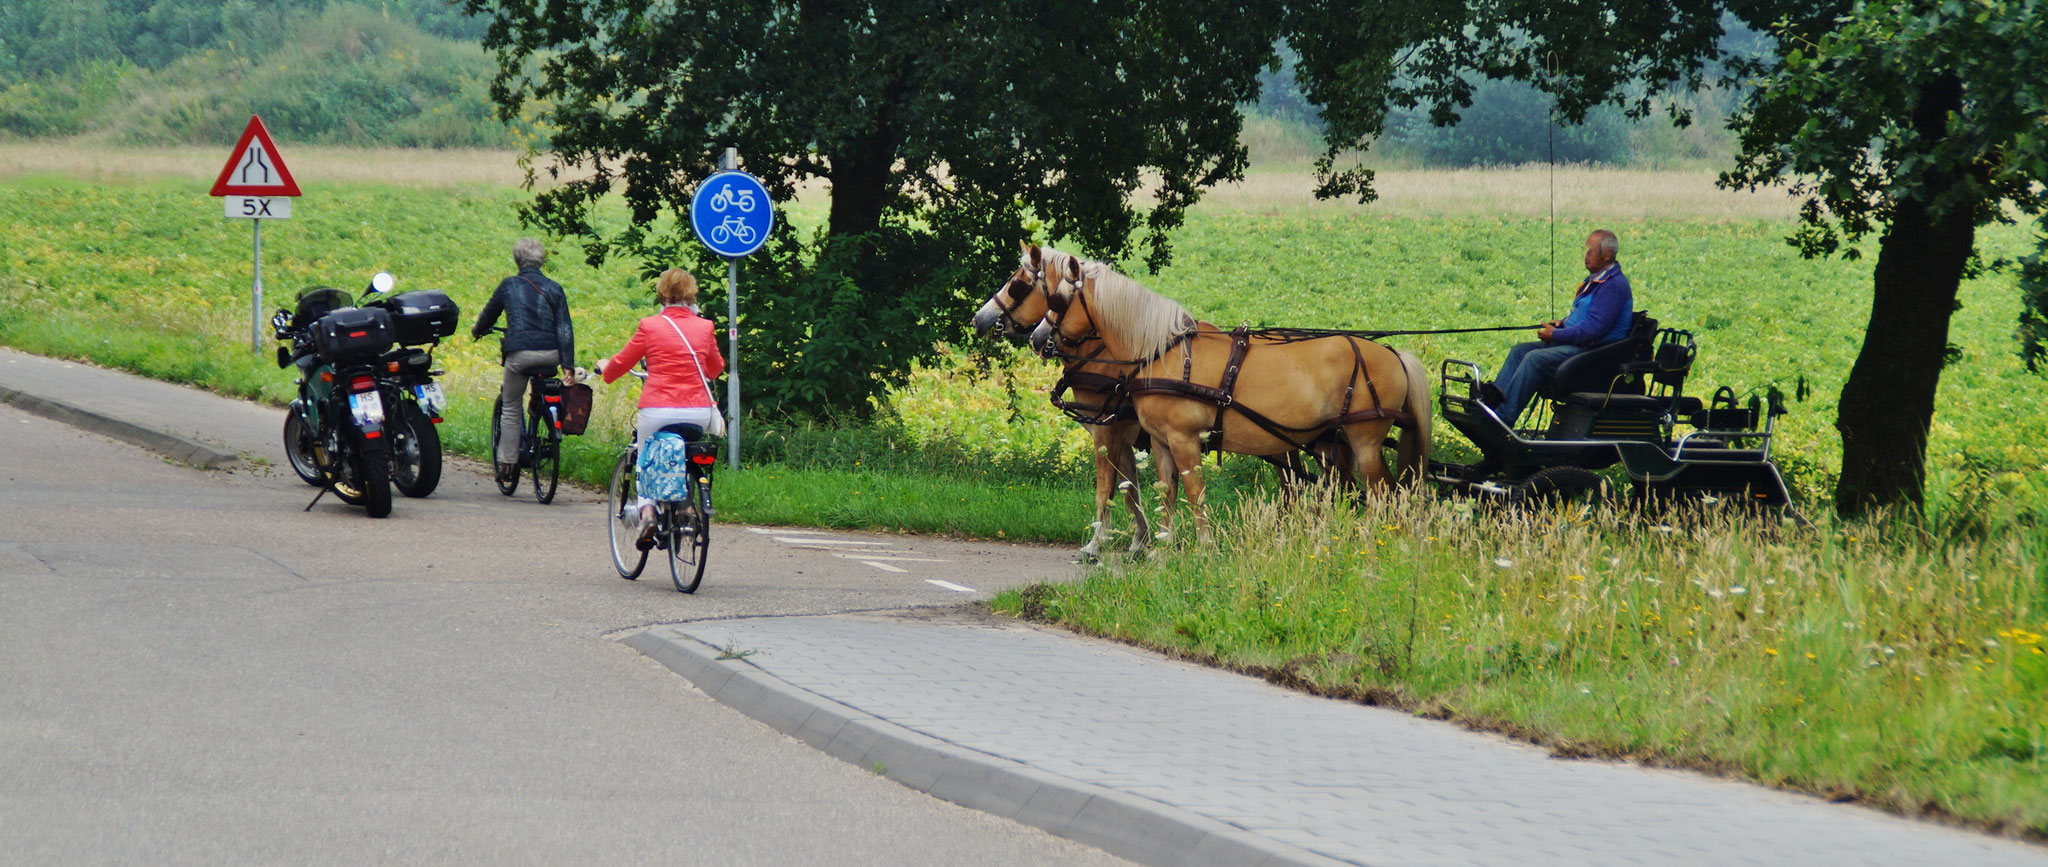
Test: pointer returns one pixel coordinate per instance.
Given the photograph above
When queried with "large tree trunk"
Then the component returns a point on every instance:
(1888, 401)
(860, 185)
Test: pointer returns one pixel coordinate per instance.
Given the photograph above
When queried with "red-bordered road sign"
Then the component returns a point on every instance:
(255, 168)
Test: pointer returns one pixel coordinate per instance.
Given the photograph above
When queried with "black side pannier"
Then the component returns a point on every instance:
(421, 316)
(352, 334)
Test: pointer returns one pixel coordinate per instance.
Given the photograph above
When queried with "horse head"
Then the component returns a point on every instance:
(1014, 308)
(1017, 305)
(1067, 323)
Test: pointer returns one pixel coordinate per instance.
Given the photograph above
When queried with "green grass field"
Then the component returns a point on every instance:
(1896, 663)
(144, 274)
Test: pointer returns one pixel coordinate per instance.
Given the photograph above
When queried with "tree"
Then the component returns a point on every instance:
(1915, 121)
(940, 126)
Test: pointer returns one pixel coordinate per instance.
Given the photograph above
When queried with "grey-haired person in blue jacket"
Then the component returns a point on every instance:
(1601, 313)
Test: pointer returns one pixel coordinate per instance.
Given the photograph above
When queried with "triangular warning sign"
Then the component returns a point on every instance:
(255, 168)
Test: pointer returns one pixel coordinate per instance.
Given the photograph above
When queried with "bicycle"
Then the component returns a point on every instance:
(540, 437)
(682, 527)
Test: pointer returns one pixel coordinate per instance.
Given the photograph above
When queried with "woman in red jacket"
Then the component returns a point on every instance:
(681, 350)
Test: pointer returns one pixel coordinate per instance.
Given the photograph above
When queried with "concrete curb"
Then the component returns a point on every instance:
(181, 449)
(1125, 825)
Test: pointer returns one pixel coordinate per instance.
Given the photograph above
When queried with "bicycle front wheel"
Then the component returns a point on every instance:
(623, 520)
(508, 483)
(547, 460)
(689, 540)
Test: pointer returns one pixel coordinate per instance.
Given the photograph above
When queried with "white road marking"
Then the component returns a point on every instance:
(864, 555)
(949, 585)
(832, 542)
(884, 566)
(770, 531)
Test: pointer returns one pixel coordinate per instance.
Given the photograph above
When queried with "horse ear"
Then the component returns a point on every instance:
(1031, 250)
(1074, 270)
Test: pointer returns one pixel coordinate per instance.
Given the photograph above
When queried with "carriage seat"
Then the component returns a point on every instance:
(1603, 369)
(1684, 407)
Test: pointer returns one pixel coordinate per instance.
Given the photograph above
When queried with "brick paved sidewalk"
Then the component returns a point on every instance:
(1345, 781)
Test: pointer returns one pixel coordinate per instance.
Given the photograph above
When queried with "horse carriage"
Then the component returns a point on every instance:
(1622, 403)
(1276, 393)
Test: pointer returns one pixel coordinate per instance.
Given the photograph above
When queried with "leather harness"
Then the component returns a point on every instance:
(1118, 391)
(1223, 395)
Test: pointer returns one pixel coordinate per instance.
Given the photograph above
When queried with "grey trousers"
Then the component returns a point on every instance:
(512, 416)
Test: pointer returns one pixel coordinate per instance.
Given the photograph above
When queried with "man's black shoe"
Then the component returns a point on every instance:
(1491, 395)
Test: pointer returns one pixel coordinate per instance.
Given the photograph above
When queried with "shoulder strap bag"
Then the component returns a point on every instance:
(717, 426)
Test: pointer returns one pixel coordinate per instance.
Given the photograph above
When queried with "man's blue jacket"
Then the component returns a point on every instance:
(1601, 311)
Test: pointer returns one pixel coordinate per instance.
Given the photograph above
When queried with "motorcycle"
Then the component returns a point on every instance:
(334, 431)
(419, 320)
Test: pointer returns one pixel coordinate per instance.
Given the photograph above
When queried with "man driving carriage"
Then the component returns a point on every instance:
(1601, 313)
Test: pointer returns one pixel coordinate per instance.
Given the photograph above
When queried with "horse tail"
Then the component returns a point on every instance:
(1412, 449)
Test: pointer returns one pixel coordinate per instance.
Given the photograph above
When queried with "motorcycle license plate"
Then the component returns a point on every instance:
(430, 397)
(367, 407)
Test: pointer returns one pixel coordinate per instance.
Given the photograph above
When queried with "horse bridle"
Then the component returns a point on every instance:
(1012, 293)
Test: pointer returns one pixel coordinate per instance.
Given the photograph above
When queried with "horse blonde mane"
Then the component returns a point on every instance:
(1149, 322)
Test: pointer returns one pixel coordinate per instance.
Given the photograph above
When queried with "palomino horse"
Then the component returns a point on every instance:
(1098, 400)
(1250, 392)
(1016, 308)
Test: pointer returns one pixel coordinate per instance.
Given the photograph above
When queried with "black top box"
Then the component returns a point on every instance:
(352, 334)
(421, 316)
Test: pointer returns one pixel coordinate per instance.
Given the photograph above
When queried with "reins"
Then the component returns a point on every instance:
(1119, 389)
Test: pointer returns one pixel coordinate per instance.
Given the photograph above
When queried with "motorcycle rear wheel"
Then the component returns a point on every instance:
(375, 459)
(365, 477)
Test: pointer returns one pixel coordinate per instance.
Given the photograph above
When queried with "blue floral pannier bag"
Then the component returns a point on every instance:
(665, 467)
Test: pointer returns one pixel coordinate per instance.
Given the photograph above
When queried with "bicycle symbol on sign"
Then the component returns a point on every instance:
(727, 197)
(732, 227)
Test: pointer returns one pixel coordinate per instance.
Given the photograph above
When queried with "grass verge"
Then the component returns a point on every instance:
(1855, 661)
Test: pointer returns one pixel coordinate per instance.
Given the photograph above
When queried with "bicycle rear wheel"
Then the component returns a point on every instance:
(547, 459)
(623, 520)
(689, 539)
(508, 484)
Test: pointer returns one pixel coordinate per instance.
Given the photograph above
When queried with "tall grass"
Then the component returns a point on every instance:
(1868, 661)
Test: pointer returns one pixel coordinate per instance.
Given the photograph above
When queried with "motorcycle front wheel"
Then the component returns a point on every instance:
(415, 452)
(298, 449)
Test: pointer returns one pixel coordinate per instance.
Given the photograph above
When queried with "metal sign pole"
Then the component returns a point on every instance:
(730, 161)
(732, 361)
(256, 296)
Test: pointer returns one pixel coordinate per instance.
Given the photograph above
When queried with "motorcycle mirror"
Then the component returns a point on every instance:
(382, 282)
(284, 358)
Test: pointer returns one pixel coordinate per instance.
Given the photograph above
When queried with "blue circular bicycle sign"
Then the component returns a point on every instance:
(732, 214)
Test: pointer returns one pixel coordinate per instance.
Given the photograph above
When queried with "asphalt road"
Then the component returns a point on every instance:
(197, 671)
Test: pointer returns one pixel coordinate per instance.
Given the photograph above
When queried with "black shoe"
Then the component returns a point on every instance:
(1491, 395)
(507, 472)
